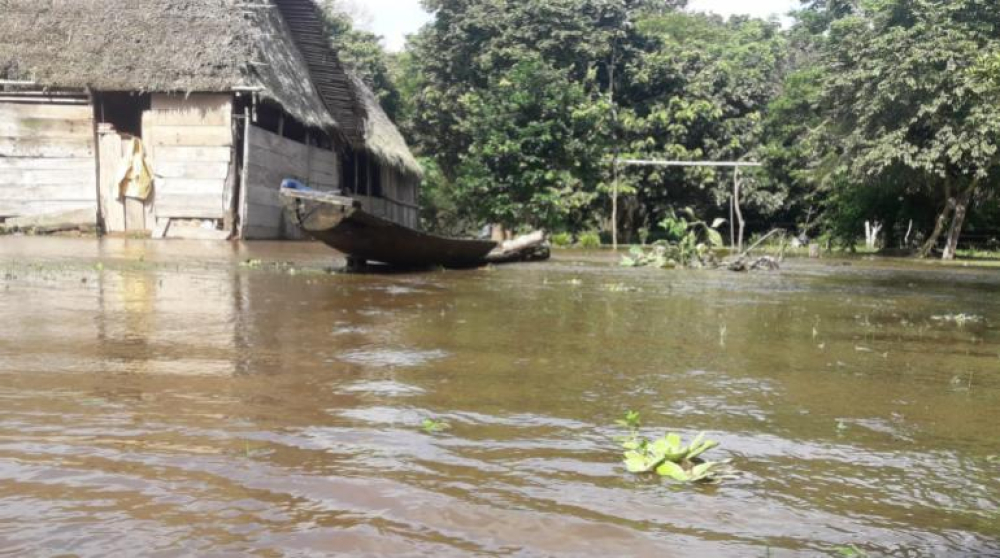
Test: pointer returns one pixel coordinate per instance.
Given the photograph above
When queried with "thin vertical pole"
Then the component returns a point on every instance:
(736, 207)
(732, 219)
(614, 209)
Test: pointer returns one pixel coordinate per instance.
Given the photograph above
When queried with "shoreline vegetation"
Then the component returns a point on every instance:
(875, 123)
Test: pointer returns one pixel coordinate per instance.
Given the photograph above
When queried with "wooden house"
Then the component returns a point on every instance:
(216, 100)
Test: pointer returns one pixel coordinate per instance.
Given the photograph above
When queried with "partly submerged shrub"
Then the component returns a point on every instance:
(562, 240)
(590, 239)
(692, 243)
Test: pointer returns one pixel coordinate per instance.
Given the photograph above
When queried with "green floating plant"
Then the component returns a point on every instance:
(432, 426)
(670, 457)
(850, 551)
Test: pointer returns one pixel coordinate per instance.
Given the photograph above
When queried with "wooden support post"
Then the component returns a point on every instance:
(244, 193)
(92, 99)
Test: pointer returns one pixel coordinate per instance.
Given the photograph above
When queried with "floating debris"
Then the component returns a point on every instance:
(621, 288)
(960, 320)
(746, 264)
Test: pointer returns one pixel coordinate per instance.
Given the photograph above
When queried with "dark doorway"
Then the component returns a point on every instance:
(123, 111)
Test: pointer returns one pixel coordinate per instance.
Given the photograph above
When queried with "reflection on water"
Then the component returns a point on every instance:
(159, 396)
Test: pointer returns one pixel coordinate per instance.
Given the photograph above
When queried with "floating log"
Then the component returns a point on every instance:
(528, 248)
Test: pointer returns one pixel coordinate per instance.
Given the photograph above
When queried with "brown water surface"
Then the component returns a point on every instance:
(162, 399)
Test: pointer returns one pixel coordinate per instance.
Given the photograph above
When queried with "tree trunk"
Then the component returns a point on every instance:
(938, 228)
(958, 221)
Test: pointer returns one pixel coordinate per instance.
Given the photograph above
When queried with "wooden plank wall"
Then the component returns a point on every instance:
(189, 142)
(399, 203)
(120, 214)
(272, 159)
(47, 159)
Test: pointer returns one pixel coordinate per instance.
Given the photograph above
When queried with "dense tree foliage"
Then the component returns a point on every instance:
(699, 93)
(878, 111)
(905, 122)
(906, 104)
(363, 53)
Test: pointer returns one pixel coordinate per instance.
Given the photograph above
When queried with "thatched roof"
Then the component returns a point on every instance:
(312, 36)
(382, 138)
(158, 46)
(280, 47)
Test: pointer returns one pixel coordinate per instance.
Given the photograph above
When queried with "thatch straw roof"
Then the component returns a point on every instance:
(382, 138)
(280, 47)
(158, 46)
(312, 36)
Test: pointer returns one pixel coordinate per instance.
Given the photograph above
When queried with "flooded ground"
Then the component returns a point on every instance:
(166, 399)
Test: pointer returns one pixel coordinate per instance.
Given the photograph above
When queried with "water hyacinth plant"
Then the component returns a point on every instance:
(691, 243)
(432, 426)
(670, 457)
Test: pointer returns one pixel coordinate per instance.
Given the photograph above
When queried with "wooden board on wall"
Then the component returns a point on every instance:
(47, 159)
(272, 159)
(190, 146)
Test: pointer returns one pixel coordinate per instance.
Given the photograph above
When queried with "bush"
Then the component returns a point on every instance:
(562, 240)
(590, 239)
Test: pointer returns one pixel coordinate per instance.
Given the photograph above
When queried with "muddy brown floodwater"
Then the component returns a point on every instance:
(161, 399)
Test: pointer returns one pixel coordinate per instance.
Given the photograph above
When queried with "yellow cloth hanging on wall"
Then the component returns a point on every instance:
(135, 179)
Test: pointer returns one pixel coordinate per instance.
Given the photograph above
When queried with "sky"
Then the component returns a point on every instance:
(395, 19)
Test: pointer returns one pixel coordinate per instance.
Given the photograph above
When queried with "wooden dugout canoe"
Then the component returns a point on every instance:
(341, 223)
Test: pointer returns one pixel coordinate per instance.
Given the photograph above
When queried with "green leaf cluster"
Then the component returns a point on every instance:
(690, 243)
(669, 456)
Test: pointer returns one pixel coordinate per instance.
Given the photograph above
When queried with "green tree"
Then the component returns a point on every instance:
(699, 93)
(669, 85)
(536, 153)
(473, 47)
(363, 53)
(901, 102)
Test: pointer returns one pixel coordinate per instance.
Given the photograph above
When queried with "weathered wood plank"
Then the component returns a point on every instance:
(202, 101)
(54, 148)
(35, 163)
(265, 220)
(190, 207)
(191, 136)
(13, 208)
(111, 160)
(190, 186)
(135, 215)
(264, 197)
(46, 128)
(16, 111)
(257, 232)
(316, 178)
(263, 141)
(190, 116)
(180, 154)
(28, 178)
(192, 170)
(320, 166)
(69, 191)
